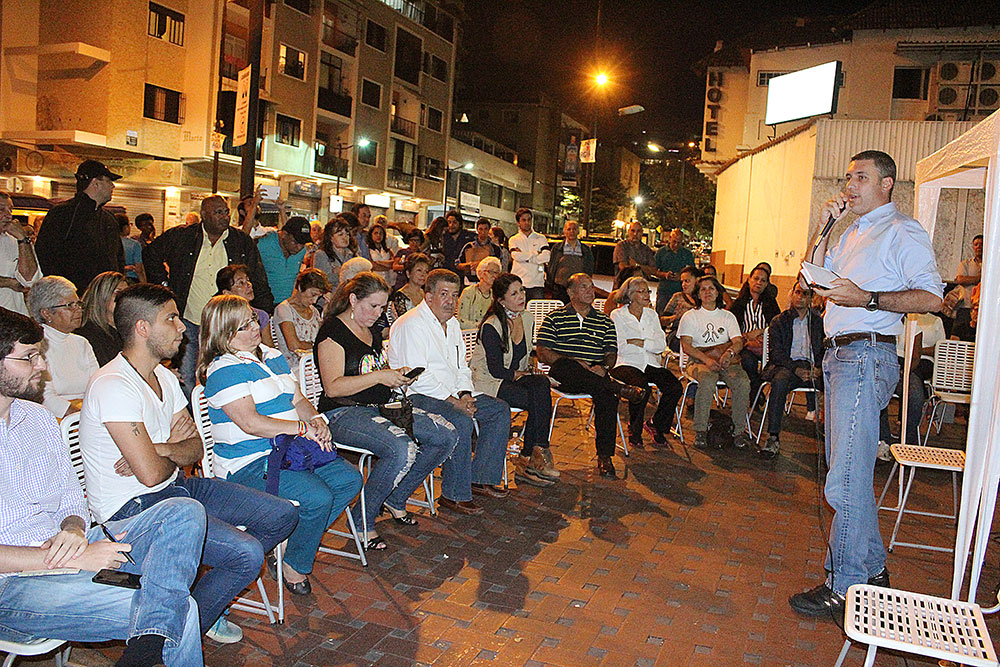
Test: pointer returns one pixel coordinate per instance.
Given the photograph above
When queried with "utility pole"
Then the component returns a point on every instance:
(588, 177)
(248, 165)
(216, 126)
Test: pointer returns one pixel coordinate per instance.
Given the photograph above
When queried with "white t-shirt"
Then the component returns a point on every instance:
(117, 393)
(708, 327)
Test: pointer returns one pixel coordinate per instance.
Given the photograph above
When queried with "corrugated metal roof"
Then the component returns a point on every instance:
(905, 140)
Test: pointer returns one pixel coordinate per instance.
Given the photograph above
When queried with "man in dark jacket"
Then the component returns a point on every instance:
(194, 257)
(794, 360)
(567, 257)
(78, 238)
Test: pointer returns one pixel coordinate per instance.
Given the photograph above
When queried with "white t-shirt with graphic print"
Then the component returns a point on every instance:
(708, 327)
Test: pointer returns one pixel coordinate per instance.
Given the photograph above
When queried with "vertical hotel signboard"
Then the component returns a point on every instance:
(713, 99)
(242, 107)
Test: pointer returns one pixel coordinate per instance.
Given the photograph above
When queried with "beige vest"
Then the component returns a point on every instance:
(481, 378)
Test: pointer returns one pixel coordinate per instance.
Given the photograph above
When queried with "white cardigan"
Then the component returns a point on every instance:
(71, 363)
(648, 329)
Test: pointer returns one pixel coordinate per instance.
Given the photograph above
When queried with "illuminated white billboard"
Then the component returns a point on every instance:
(808, 92)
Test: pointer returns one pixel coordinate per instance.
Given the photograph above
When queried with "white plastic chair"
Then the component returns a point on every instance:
(38, 646)
(539, 308)
(598, 305)
(469, 337)
(919, 624)
(70, 429)
(312, 388)
(952, 378)
(767, 399)
(691, 382)
(561, 396)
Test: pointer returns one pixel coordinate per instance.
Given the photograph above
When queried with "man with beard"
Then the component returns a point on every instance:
(136, 434)
(44, 528)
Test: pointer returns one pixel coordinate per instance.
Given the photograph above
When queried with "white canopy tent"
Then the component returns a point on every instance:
(973, 161)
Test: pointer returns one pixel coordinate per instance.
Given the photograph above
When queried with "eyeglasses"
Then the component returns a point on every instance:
(32, 358)
(252, 322)
(72, 305)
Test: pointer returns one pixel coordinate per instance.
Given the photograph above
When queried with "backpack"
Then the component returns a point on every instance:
(720, 430)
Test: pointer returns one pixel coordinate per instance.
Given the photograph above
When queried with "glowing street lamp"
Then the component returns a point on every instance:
(638, 200)
(653, 147)
(601, 79)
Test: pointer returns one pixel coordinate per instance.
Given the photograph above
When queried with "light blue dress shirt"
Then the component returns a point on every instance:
(882, 251)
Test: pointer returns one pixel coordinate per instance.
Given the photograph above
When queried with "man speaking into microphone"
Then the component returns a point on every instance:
(886, 267)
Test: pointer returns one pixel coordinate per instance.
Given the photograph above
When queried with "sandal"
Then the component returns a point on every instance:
(376, 544)
(406, 520)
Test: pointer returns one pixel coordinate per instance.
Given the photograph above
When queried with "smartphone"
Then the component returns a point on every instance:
(414, 372)
(270, 192)
(117, 578)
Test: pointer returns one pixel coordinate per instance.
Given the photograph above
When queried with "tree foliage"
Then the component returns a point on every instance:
(670, 204)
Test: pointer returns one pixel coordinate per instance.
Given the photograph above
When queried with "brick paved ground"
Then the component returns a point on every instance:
(687, 560)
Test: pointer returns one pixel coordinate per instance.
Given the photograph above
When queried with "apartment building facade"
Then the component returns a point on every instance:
(354, 100)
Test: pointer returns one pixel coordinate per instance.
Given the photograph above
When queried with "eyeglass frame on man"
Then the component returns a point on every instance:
(31, 358)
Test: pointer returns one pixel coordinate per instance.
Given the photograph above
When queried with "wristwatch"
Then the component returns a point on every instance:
(872, 304)
(24, 240)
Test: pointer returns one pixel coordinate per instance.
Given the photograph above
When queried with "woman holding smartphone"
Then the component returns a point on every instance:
(356, 383)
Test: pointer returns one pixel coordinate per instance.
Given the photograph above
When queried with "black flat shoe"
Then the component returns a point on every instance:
(376, 544)
(301, 588)
(406, 520)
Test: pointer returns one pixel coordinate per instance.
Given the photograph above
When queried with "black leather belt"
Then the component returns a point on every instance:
(844, 339)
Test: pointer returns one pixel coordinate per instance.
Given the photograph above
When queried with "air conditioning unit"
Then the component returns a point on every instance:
(989, 72)
(954, 73)
(989, 97)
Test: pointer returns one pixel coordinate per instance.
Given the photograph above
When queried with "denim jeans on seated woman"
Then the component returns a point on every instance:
(401, 464)
(322, 496)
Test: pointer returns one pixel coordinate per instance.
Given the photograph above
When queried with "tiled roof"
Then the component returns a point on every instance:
(902, 14)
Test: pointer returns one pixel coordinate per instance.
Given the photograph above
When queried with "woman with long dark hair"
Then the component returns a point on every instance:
(434, 241)
(680, 303)
(336, 247)
(502, 367)
(754, 308)
(356, 381)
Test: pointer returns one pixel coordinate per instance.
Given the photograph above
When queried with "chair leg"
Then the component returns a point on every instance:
(760, 427)
(888, 481)
(278, 555)
(870, 658)
(899, 516)
(265, 600)
(9, 660)
(552, 421)
(843, 653)
(357, 540)
(954, 494)
(621, 432)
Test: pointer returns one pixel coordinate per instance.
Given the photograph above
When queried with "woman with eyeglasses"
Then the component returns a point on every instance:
(477, 297)
(99, 315)
(54, 304)
(235, 279)
(253, 397)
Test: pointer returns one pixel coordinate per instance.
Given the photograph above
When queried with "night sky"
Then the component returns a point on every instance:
(649, 47)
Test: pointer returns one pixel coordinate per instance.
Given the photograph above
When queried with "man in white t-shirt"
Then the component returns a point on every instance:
(710, 336)
(136, 433)
(529, 252)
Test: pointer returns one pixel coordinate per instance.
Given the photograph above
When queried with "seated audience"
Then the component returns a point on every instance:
(414, 240)
(754, 308)
(356, 383)
(380, 252)
(411, 295)
(502, 367)
(794, 360)
(99, 315)
(477, 297)
(433, 245)
(136, 435)
(569, 256)
(45, 524)
(476, 250)
(253, 397)
(18, 264)
(709, 270)
(579, 345)
(71, 362)
(710, 336)
(353, 267)
(611, 302)
(429, 336)
(337, 247)
(235, 280)
(297, 319)
(680, 303)
(641, 343)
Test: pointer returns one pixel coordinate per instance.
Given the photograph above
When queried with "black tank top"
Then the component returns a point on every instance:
(359, 358)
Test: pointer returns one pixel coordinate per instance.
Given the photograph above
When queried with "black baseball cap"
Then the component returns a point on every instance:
(299, 228)
(90, 169)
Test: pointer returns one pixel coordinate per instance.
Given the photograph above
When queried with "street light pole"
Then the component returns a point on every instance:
(248, 164)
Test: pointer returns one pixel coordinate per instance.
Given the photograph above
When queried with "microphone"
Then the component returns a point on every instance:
(826, 229)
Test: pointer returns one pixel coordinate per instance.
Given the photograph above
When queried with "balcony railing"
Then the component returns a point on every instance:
(399, 180)
(431, 170)
(339, 40)
(335, 102)
(405, 127)
(330, 164)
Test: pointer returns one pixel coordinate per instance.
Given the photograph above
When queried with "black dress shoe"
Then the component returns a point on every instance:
(818, 602)
(605, 468)
(301, 588)
(881, 579)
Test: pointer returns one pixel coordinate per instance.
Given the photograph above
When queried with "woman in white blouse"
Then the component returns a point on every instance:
(297, 319)
(54, 304)
(641, 342)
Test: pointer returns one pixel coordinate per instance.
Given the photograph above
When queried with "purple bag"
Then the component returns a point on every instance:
(293, 452)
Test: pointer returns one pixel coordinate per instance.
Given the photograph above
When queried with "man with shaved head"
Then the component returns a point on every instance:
(194, 255)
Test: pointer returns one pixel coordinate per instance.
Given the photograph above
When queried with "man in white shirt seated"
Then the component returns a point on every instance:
(45, 529)
(136, 433)
(429, 336)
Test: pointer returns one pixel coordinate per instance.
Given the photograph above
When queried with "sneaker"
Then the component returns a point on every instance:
(742, 440)
(770, 448)
(883, 453)
(525, 474)
(224, 632)
(818, 602)
(701, 439)
(541, 463)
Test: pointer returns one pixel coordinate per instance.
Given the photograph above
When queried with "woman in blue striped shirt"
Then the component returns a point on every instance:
(253, 397)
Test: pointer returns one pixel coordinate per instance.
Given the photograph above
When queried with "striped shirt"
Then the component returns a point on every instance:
(269, 384)
(587, 338)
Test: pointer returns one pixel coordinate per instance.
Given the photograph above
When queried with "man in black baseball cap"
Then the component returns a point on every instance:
(282, 253)
(78, 239)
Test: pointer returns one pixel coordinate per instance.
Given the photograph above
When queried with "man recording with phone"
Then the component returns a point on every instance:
(886, 267)
(49, 553)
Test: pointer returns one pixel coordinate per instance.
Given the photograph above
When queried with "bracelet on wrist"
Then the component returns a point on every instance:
(301, 427)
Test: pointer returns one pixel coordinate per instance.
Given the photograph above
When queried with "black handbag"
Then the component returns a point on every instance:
(400, 412)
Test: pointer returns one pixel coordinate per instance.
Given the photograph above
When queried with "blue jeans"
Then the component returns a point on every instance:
(166, 544)
(189, 362)
(235, 556)
(859, 378)
(322, 496)
(402, 465)
(461, 469)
